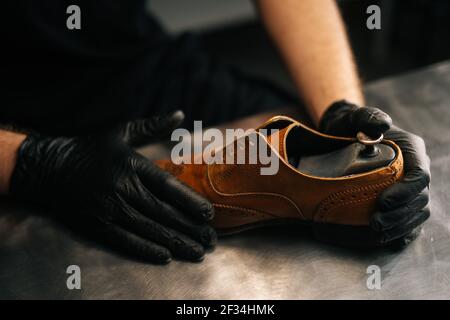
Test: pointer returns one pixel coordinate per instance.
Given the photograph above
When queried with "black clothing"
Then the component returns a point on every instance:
(119, 66)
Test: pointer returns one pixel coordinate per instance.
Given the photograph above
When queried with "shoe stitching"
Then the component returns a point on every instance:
(251, 193)
(220, 205)
(325, 205)
(322, 208)
(377, 186)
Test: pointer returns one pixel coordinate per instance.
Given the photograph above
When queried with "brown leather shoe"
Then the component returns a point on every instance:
(337, 200)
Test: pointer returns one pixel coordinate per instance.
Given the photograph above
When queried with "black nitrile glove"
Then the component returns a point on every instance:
(345, 119)
(101, 184)
(144, 131)
(403, 207)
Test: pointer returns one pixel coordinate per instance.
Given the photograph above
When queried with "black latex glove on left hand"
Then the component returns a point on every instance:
(99, 185)
(403, 207)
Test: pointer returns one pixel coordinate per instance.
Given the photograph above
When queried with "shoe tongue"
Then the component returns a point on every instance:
(277, 139)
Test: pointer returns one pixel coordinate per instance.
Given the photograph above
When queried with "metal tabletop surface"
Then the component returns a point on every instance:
(272, 263)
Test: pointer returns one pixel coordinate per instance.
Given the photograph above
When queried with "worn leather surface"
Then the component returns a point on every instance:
(270, 263)
(242, 196)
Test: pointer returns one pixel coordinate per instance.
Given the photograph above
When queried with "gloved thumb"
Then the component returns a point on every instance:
(144, 131)
(346, 119)
(372, 121)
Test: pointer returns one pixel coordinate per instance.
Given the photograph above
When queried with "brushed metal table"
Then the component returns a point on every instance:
(274, 263)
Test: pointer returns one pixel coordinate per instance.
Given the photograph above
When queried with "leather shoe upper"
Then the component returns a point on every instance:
(243, 196)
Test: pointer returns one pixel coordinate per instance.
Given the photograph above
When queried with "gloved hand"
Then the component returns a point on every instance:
(101, 184)
(403, 207)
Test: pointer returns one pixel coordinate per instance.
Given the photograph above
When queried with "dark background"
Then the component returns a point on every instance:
(414, 33)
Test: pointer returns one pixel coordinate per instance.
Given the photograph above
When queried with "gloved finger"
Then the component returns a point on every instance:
(179, 245)
(402, 192)
(402, 230)
(169, 216)
(381, 221)
(135, 245)
(402, 242)
(167, 188)
(371, 121)
(416, 167)
(144, 131)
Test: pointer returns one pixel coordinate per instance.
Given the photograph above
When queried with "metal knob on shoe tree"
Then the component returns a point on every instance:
(371, 149)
